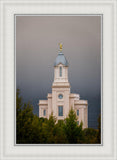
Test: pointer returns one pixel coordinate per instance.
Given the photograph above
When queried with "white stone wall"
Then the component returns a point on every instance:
(60, 102)
(43, 105)
(68, 101)
(64, 77)
(62, 86)
(82, 114)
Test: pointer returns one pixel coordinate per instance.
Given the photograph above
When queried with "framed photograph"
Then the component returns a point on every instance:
(76, 69)
(60, 56)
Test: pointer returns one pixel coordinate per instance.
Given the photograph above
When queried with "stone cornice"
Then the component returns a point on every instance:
(81, 102)
(80, 107)
(43, 102)
(61, 86)
(49, 95)
(73, 95)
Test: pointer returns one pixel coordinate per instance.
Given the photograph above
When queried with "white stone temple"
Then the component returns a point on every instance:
(60, 101)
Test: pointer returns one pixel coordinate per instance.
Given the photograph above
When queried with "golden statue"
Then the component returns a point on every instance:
(61, 46)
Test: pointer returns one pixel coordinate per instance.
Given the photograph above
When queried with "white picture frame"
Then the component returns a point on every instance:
(109, 131)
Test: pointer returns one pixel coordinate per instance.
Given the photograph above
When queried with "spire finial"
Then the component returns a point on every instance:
(61, 46)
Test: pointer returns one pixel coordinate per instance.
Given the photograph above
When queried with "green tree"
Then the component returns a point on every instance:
(90, 135)
(48, 130)
(24, 117)
(60, 136)
(36, 126)
(73, 131)
(99, 130)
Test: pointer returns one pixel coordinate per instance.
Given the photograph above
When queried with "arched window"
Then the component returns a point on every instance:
(78, 112)
(60, 110)
(60, 71)
(44, 112)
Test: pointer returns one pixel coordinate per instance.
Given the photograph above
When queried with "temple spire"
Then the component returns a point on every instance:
(61, 58)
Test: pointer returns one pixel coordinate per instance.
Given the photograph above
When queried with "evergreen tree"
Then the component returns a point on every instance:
(72, 130)
(48, 130)
(24, 117)
(60, 136)
(99, 130)
(90, 135)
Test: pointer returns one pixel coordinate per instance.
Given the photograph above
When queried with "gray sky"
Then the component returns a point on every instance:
(37, 39)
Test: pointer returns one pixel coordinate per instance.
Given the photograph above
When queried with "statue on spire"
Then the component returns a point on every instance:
(61, 46)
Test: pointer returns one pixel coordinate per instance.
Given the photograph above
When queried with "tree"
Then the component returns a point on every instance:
(72, 130)
(60, 136)
(24, 117)
(99, 130)
(48, 130)
(90, 135)
(36, 126)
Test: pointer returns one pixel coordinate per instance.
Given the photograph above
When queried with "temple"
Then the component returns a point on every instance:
(60, 101)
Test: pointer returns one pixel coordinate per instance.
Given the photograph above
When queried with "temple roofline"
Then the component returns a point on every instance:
(43, 102)
(81, 102)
